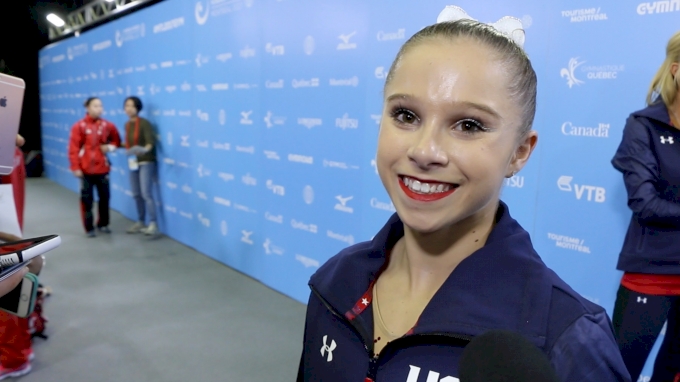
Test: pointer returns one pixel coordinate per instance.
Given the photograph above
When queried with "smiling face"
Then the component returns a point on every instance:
(450, 133)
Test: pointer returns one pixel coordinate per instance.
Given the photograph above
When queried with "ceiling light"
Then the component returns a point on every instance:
(55, 20)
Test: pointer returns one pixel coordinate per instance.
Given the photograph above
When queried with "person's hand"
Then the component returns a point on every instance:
(12, 281)
(20, 141)
(104, 148)
(8, 237)
(78, 173)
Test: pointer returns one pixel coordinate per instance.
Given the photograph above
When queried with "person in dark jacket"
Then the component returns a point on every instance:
(91, 138)
(451, 263)
(140, 144)
(649, 295)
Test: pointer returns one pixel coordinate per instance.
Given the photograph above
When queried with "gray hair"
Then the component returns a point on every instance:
(523, 80)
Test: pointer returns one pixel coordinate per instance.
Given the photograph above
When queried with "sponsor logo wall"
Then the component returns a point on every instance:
(267, 138)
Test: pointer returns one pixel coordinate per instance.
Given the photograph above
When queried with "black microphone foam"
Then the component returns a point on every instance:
(504, 356)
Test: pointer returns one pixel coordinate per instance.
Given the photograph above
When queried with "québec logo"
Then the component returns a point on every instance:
(592, 72)
(594, 193)
(568, 72)
(201, 60)
(433, 376)
(202, 13)
(345, 44)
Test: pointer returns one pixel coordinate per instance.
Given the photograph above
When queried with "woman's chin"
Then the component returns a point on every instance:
(421, 223)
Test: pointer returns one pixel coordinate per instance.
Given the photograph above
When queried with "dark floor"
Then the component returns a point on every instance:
(125, 308)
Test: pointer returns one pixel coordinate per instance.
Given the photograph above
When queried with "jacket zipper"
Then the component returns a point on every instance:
(374, 361)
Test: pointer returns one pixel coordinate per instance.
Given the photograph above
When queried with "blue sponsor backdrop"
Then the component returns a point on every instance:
(267, 113)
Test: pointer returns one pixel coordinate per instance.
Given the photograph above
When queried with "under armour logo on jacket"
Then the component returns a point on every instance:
(667, 139)
(642, 299)
(432, 376)
(328, 349)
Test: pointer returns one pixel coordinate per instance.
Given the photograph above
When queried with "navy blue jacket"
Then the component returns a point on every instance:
(649, 158)
(503, 285)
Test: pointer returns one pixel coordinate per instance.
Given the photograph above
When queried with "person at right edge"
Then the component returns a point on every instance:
(139, 142)
(91, 138)
(649, 294)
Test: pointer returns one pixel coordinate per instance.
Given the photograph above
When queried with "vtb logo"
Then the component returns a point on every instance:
(432, 376)
(595, 194)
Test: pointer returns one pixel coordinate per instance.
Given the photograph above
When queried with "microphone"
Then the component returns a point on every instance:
(504, 356)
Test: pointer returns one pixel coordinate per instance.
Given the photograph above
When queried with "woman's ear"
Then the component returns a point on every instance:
(523, 151)
(674, 69)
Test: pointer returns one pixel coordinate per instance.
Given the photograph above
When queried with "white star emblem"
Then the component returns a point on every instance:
(364, 301)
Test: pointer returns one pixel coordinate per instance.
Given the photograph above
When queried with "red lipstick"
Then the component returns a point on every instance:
(424, 197)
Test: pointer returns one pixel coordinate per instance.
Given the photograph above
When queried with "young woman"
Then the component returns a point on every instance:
(451, 264)
(91, 138)
(649, 294)
(140, 143)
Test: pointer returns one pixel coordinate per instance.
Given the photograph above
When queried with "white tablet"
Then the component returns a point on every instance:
(11, 101)
(17, 252)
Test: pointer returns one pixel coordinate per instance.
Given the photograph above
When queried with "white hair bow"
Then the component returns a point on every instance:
(509, 26)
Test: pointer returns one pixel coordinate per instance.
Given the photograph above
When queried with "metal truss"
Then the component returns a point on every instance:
(92, 13)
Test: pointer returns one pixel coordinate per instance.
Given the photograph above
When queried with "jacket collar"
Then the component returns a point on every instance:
(656, 111)
(91, 120)
(500, 286)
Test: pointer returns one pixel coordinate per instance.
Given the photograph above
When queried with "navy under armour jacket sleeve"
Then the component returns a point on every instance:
(640, 167)
(587, 352)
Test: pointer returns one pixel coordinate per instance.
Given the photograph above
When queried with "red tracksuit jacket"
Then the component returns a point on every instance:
(84, 152)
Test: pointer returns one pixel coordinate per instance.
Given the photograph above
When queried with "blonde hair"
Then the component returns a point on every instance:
(664, 84)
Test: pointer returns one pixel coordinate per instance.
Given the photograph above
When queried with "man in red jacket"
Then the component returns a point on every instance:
(91, 138)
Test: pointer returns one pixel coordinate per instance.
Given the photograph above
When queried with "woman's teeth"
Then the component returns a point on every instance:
(425, 188)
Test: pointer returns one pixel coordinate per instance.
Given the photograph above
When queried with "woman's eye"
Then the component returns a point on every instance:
(469, 126)
(405, 116)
